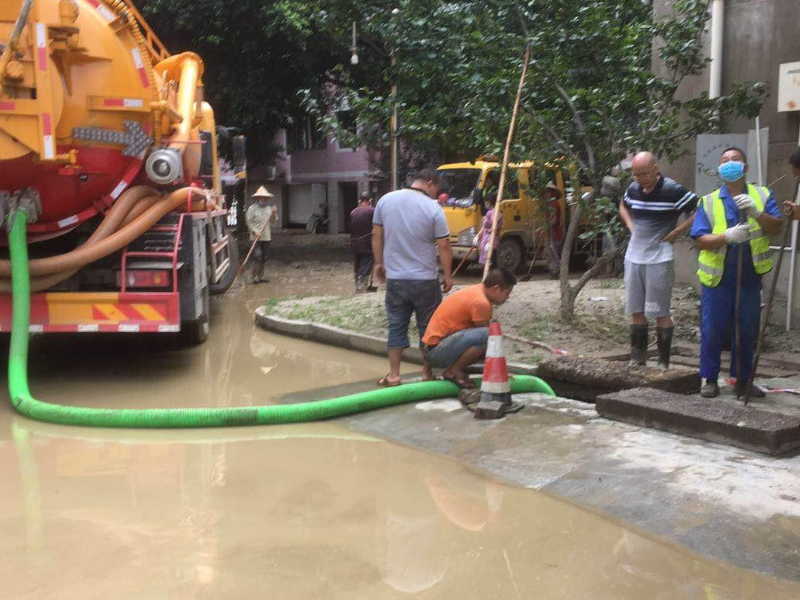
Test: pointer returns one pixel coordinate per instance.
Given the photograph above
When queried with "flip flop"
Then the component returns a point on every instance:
(384, 381)
(464, 384)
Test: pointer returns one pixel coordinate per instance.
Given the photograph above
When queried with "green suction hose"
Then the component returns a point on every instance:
(27, 405)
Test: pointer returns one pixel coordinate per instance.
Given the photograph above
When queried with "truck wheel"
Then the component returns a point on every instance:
(194, 333)
(227, 279)
(509, 254)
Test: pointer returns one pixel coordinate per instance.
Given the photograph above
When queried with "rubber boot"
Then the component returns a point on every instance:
(638, 346)
(664, 339)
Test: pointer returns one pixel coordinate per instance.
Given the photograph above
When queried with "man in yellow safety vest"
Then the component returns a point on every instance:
(735, 218)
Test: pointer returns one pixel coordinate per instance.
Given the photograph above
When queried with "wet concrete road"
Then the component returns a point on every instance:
(305, 511)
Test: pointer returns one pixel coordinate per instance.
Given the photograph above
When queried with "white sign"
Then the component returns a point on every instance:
(789, 87)
(709, 147)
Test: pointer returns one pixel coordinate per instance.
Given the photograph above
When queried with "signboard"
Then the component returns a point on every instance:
(789, 87)
(709, 147)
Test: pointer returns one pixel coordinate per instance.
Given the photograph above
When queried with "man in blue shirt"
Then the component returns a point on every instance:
(730, 222)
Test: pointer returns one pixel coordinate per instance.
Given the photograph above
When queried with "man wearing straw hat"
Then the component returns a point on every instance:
(260, 215)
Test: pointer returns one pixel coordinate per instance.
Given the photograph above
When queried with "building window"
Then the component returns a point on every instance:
(306, 135)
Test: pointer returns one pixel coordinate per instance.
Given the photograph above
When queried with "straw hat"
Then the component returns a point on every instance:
(263, 192)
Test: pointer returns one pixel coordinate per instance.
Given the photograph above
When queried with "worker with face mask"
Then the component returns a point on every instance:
(731, 225)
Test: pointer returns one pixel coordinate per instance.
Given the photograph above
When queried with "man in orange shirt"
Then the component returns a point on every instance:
(458, 331)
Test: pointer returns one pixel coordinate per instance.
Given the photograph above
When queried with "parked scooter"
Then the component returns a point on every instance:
(318, 222)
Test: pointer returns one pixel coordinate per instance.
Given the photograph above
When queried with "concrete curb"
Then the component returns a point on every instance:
(351, 340)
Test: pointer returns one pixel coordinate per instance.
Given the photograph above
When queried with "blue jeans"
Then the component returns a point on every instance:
(450, 349)
(407, 296)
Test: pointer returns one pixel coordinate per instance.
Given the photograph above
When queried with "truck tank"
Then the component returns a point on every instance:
(91, 103)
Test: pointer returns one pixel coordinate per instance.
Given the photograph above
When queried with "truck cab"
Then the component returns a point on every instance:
(526, 221)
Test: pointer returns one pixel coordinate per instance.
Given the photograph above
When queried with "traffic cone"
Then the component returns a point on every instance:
(495, 399)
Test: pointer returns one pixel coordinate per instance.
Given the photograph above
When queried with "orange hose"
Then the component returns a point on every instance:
(133, 200)
(89, 253)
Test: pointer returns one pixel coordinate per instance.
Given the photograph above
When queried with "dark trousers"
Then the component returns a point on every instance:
(717, 306)
(259, 258)
(362, 269)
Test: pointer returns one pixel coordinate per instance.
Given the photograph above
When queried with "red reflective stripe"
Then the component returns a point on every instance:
(143, 77)
(113, 102)
(47, 126)
(8, 105)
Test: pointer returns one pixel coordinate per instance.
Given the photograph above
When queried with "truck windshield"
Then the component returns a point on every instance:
(460, 183)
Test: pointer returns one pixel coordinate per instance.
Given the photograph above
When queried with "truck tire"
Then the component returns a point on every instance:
(222, 286)
(510, 254)
(195, 332)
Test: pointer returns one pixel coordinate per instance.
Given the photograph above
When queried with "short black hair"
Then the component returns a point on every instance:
(500, 276)
(794, 159)
(426, 174)
(739, 150)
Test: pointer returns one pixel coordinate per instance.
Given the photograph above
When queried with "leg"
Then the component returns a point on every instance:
(264, 246)
(427, 297)
(255, 264)
(635, 293)
(658, 303)
(716, 315)
(459, 350)
(749, 319)
(398, 313)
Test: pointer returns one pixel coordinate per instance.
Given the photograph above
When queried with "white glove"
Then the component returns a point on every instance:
(475, 240)
(745, 203)
(737, 234)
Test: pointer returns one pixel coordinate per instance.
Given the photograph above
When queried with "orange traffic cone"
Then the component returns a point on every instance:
(495, 389)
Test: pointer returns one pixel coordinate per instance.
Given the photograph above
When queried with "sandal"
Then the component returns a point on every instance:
(464, 384)
(384, 382)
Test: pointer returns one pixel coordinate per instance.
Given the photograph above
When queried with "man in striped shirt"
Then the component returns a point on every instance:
(650, 210)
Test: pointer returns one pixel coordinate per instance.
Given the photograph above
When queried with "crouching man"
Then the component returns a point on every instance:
(458, 331)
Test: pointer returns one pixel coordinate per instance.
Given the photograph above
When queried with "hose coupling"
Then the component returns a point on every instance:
(26, 200)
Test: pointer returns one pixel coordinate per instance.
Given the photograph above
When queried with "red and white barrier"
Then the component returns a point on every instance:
(495, 369)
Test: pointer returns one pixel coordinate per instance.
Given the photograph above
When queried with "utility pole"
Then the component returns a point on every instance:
(393, 127)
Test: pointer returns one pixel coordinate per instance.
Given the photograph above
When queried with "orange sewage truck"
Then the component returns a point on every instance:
(108, 144)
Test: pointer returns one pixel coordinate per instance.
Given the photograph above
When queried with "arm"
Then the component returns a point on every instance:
(625, 215)
(379, 272)
(446, 257)
(273, 217)
(680, 229)
(769, 223)
(710, 241)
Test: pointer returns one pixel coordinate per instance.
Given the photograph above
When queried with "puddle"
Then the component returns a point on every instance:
(305, 511)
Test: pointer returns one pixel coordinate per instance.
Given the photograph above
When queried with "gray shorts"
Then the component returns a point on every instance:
(648, 288)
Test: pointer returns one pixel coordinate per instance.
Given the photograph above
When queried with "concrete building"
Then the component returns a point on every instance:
(313, 173)
(757, 37)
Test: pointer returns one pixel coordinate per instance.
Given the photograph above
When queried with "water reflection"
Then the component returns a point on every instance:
(310, 511)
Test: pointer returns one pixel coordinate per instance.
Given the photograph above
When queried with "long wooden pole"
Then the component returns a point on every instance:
(504, 166)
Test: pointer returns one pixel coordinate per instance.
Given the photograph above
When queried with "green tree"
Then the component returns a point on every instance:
(604, 82)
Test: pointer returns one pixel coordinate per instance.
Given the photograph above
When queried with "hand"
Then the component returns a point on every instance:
(670, 237)
(379, 274)
(737, 234)
(475, 240)
(447, 284)
(745, 203)
(791, 210)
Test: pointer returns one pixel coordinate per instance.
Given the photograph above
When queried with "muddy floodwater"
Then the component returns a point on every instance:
(303, 511)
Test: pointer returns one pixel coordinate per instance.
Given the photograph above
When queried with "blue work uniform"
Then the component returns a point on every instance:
(717, 304)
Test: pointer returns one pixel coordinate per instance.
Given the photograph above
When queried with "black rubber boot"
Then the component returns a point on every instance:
(638, 346)
(664, 339)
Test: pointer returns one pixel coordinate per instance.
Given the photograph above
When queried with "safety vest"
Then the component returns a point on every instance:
(711, 263)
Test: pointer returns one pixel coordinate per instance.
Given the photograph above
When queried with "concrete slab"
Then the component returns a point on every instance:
(722, 501)
(585, 378)
(715, 420)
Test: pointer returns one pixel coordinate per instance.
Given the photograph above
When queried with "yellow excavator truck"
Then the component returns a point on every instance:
(526, 222)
